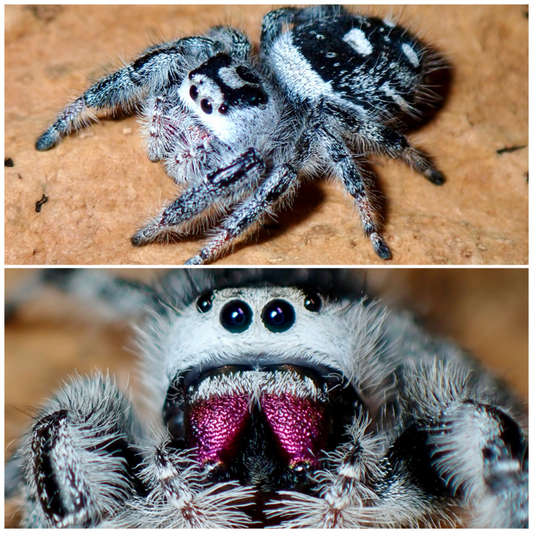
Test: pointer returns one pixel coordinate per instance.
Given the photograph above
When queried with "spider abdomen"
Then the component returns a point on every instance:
(369, 61)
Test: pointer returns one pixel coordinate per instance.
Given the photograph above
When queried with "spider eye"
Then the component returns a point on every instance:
(205, 302)
(278, 316)
(206, 106)
(193, 92)
(236, 316)
(223, 109)
(313, 302)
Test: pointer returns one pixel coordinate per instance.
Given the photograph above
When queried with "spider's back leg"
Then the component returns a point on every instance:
(379, 138)
(343, 164)
(273, 23)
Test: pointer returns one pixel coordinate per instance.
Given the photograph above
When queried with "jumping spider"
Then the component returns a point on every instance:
(273, 398)
(241, 132)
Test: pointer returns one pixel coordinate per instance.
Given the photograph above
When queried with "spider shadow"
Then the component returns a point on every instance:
(308, 199)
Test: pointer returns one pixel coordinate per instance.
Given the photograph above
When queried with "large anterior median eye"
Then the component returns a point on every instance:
(278, 316)
(236, 316)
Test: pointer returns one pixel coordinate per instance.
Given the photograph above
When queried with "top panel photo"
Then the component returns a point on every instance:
(256, 135)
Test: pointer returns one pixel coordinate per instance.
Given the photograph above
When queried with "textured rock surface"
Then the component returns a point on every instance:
(101, 187)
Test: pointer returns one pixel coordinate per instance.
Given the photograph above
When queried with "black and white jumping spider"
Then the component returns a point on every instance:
(240, 132)
(280, 398)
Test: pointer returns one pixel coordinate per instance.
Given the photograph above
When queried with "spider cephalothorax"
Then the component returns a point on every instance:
(240, 132)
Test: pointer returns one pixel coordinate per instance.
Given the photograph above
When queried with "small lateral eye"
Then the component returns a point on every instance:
(205, 302)
(223, 109)
(278, 316)
(236, 316)
(206, 106)
(313, 302)
(193, 92)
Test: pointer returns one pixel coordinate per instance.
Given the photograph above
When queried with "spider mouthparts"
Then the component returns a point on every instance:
(269, 427)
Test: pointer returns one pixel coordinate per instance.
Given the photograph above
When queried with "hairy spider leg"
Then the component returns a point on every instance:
(383, 139)
(275, 21)
(127, 86)
(344, 165)
(248, 213)
(222, 183)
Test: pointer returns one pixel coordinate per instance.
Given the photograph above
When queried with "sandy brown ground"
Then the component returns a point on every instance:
(486, 311)
(101, 187)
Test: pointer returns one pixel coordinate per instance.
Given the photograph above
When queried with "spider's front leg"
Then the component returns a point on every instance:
(79, 461)
(481, 453)
(181, 495)
(127, 86)
(215, 192)
(249, 213)
(477, 446)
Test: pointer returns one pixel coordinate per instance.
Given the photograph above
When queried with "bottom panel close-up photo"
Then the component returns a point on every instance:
(252, 398)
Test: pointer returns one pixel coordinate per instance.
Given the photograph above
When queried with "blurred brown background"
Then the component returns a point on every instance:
(101, 186)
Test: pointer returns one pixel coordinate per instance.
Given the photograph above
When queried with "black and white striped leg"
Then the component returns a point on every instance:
(217, 190)
(249, 213)
(397, 146)
(482, 455)
(382, 139)
(79, 461)
(275, 21)
(125, 87)
(180, 495)
(354, 181)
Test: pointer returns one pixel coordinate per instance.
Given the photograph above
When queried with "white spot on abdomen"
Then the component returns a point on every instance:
(411, 55)
(356, 38)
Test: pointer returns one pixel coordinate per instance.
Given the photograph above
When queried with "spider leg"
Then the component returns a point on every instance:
(370, 485)
(273, 23)
(354, 181)
(381, 139)
(181, 496)
(472, 456)
(476, 444)
(222, 183)
(397, 146)
(481, 453)
(234, 41)
(78, 462)
(157, 67)
(249, 212)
